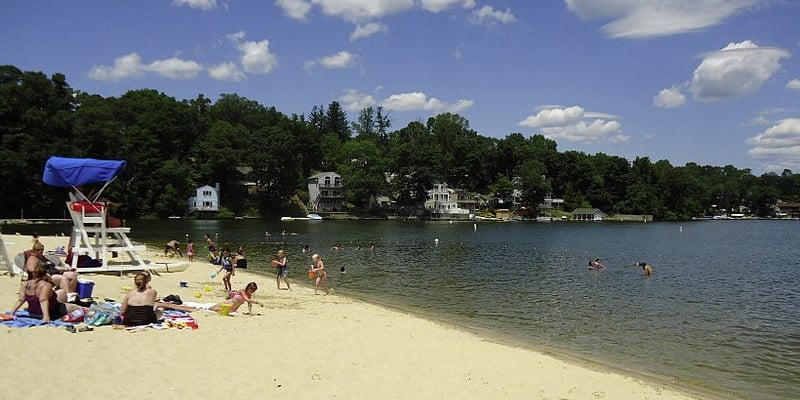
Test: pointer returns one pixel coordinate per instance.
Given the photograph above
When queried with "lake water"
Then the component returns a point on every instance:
(720, 312)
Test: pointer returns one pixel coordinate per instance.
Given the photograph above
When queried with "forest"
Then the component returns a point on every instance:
(174, 146)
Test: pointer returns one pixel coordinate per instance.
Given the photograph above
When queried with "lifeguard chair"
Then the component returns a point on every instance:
(91, 236)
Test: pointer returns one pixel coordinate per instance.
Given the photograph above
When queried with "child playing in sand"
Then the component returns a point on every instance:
(242, 296)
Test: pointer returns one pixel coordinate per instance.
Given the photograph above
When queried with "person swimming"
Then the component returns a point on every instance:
(647, 268)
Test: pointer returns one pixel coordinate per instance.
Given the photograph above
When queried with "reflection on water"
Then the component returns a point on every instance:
(720, 311)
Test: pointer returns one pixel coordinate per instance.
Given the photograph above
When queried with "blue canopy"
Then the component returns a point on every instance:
(71, 172)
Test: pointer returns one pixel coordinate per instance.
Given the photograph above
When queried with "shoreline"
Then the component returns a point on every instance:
(305, 346)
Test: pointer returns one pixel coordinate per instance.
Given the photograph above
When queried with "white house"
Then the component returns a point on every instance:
(587, 214)
(443, 202)
(325, 192)
(205, 199)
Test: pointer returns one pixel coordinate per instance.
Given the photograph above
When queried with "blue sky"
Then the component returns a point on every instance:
(709, 81)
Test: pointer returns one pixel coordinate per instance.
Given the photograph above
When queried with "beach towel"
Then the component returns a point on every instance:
(24, 320)
(172, 319)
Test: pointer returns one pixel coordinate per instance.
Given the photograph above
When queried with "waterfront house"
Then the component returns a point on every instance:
(206, 198)
(787, 210)
(443, 203)
(587, 214)
(325, 192)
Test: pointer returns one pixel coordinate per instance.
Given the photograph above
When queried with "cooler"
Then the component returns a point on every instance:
(85, 288)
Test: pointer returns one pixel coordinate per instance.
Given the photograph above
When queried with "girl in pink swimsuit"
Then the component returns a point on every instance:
(240, 297)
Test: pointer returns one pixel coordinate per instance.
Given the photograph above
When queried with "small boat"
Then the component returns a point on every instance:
(309, 217)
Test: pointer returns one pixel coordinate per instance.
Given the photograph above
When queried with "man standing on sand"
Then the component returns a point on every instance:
(647, 268)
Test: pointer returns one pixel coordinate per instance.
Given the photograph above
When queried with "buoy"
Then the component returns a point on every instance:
(436, 241)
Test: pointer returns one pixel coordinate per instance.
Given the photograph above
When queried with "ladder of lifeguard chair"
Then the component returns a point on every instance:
(13, 269)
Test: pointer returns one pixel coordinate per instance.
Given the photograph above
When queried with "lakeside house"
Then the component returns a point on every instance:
(787, 210)
(442, 202)
(325, 192)
(206, 198)
(587, 214)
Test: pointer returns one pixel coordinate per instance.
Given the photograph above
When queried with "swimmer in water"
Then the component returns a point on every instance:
(647, 268)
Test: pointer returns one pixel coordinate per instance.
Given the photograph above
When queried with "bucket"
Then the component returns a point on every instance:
(224, 309)
(184, 284)
(310, 274)
(85, 288)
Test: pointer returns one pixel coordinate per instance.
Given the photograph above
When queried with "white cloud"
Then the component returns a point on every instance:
(255, 56)
(778, 146)
(440, 5)
(669, 98)
(366, 30)
(638, 19)
(175, 68)
(793, 84)
(574, 124)
(353, 100)
(487, 15)
(415, 101)
(228, 71)
(200, 4)
(130, 66)
(554, 117)
(738, 69)
(357, 11)
(125, 67)
(295, 9)
(340, 60)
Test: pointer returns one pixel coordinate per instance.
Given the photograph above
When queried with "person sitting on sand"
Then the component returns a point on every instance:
(318, 268)
(173, 247)
(139, 304)
(42, 297)
(240, 297)
(65, 278)
(647, 268)
(240, 259)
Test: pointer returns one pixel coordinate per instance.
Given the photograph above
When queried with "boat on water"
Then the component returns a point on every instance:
(309, 217)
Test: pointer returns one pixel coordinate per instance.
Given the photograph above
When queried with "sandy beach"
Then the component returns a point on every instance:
(298, 346)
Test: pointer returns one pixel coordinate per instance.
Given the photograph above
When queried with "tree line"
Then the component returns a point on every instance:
(174, 146)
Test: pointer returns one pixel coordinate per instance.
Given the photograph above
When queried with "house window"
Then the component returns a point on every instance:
(327, 181)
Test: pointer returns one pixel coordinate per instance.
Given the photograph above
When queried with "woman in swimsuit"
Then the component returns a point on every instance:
(41, 297)
(240, 259)
(138, 306)
(65, 278)
(242, 296)
(318, 268)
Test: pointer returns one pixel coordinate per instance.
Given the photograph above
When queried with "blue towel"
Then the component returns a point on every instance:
(24, 320)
